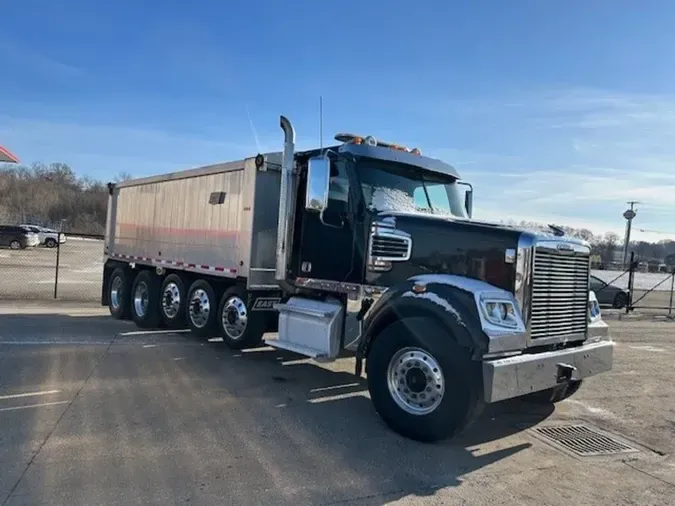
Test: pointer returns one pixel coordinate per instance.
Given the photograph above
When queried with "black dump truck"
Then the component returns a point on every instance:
(368, 248)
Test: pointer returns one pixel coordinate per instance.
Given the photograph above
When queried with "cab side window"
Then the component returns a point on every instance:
(338, 190)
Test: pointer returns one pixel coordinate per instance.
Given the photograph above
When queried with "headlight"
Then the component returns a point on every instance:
(594, 313)
(500, 312)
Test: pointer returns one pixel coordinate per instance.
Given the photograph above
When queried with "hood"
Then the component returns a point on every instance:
(443, 245)
(537, 234)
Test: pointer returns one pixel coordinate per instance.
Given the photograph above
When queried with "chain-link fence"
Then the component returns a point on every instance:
(635, 289)
(650, 291)
(71, 269)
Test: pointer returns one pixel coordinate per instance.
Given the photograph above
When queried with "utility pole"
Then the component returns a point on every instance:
(629, 214)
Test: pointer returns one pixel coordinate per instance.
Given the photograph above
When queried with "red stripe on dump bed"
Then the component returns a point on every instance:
(221, 269)
(143, 230)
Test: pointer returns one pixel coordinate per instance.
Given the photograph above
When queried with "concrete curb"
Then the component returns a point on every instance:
(637, 316)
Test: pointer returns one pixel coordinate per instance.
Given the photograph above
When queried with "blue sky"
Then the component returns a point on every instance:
(556, 111)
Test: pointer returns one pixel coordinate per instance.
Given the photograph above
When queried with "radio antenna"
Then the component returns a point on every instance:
(320, 123)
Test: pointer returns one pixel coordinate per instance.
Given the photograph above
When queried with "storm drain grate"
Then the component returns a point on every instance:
(584, 441)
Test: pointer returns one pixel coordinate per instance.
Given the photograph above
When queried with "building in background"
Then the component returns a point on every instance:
(6, 156)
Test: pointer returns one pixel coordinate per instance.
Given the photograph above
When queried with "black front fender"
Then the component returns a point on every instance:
(453, 307)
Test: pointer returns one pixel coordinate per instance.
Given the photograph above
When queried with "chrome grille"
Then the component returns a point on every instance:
(559, 294)
(390, 247)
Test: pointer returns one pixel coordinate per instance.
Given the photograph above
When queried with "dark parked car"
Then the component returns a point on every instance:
(16, 237)
(608, 294)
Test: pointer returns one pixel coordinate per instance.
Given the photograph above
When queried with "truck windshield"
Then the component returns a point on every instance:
(397, 187)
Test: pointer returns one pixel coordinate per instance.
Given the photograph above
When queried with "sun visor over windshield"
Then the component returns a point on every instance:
(394, 155)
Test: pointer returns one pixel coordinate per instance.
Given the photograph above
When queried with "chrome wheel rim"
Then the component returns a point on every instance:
(141, 295)
(15, 245)
(234, 318)
(171, 300)
(200, 308)
(415, 381)
(115, 292)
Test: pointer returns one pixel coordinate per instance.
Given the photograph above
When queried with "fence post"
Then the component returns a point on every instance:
(631, 275)
(670, 306)
(58, 257)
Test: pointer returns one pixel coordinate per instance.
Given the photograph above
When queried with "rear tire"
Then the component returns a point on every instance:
(620, 301)
(172, 301)
(50, 243)
(422, 384)
(119, 288)
(201, 308)
(239, 327)
(145, 300)
(15, 244)
(555, 394)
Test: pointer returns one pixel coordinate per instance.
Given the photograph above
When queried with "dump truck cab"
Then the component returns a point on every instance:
(385, 261)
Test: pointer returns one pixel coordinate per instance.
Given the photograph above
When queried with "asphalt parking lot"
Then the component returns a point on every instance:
(93, 411)
(30, 273)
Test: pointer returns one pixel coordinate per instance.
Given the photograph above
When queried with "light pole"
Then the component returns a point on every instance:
(629, 214)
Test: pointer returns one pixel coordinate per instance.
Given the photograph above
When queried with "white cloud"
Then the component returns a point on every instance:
(569, 157)
(574, 157)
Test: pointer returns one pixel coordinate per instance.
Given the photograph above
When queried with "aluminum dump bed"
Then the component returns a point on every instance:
(220, 219)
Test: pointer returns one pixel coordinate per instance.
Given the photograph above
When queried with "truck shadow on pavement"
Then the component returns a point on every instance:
(197, 422)
(331, 417)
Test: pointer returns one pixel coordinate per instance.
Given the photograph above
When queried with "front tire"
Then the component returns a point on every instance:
(172, 301)
(201, 308)
(145, 300)
(50, 243)
(422, 384)
(239, 327)
(15, 244)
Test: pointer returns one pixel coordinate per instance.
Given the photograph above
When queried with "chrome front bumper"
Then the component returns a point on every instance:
(510, 377)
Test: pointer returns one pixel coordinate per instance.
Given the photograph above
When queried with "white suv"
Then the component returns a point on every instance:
(48, 237)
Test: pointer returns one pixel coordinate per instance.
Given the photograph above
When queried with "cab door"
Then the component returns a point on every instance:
(327, 243)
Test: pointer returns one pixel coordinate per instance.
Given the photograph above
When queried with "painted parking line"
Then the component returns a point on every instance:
(151, 332)
(28, 394)
(14, 408)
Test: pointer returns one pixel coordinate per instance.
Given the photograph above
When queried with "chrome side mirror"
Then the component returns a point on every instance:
(318, 180)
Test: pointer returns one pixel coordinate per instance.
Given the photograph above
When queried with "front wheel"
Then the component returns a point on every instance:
(422, 384)
(50, 243)
(15, 244)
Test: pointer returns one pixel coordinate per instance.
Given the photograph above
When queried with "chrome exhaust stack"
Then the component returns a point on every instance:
(286, 201)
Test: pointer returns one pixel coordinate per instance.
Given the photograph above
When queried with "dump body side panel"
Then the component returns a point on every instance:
(192, 220)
